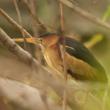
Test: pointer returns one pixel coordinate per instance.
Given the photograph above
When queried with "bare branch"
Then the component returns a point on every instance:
(64, 103)
(85, 14)
(35, 18)
(61, 17)
(19, 20)
(17, 11)
(38, 22)
(13, 22)
(32, 5)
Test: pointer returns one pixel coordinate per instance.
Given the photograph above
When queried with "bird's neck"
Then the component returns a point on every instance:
(53, 57)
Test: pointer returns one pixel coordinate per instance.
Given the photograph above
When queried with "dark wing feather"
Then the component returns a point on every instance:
(78, 50)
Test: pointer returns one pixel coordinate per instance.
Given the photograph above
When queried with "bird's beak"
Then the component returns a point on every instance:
(32, 40)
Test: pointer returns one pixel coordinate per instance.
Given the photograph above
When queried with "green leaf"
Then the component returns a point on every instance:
(106, 15)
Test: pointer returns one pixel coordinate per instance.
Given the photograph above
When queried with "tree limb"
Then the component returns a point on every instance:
(85, 14)
(13, 22)
(37, 21)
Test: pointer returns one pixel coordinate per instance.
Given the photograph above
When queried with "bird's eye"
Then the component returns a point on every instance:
(40, 40)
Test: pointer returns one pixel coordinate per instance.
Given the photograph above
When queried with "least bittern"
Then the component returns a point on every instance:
(80, 63)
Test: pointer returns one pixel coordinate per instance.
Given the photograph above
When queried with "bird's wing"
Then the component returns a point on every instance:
(77, 50)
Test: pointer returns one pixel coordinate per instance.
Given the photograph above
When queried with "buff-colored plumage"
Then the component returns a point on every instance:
(80, 63)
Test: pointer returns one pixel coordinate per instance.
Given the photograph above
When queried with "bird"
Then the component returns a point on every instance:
(80, 62)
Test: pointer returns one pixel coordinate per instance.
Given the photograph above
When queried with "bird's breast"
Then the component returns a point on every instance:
(53, 59)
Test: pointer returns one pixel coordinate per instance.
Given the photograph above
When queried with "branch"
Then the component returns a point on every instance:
(85, 14)
(64, 102)
(35, 18)
(13, 22)
(42, 74)
(38, 22)
(34, 25)
(61, 17)
(19, 20)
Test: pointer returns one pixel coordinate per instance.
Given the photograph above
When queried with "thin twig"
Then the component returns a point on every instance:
(36, 19)
(38, 22)
(61, 17)
(85, 14)
(32, 5)
(13, 22)
(64, 107)
(20, 21)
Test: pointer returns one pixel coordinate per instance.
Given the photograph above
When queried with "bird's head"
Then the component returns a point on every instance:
(48, 40)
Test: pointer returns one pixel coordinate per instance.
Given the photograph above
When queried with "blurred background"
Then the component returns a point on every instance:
(48, 12)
